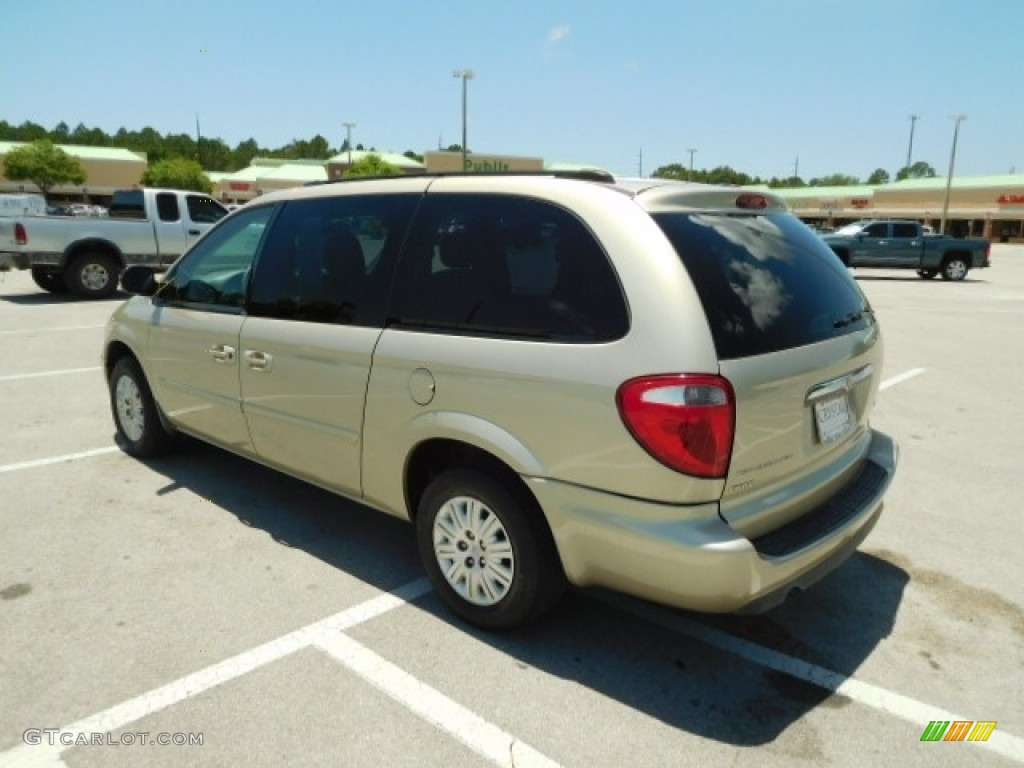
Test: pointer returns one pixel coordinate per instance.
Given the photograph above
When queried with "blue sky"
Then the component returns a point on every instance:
(754, 84)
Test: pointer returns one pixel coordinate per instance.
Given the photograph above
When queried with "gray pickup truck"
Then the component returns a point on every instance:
(906, 245)
(86, 255)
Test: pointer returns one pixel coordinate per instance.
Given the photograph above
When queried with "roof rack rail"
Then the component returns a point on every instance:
(586, 174)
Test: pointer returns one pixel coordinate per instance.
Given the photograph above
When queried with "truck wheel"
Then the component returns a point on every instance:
(927, 274)
(487, 549)
(49, 281)
(139, 428)
(92, 276)
(954, 268)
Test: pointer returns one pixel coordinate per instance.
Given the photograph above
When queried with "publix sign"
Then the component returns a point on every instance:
(449, 162)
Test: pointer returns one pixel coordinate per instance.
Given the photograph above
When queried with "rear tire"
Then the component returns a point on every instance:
(52, 282)
(487, 549)
(954, 268)
(139, 429)
(92, 276)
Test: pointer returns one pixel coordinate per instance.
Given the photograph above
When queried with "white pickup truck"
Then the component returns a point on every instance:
(86, 255)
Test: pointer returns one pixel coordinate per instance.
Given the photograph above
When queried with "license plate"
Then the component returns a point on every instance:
(832, 417)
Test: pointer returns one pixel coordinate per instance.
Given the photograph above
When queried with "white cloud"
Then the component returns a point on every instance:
(558, 34)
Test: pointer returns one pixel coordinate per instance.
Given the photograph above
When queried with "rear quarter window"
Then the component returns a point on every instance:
(766, 281)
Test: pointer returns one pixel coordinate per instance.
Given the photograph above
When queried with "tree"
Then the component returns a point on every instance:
(723, 174)
(790, 182)
(919, 170)
(44, 164)
(178, 173)
(878, 176)
(835, 180)
(243, 153)
(372, 165)
(671, 171)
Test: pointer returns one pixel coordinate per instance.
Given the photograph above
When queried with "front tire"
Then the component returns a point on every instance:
(139, 429)
(487, 549)
(52, 282)
(92, 276)
(955, 268)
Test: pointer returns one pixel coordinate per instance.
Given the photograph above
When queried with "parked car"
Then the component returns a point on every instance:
(908, 245)
(655, 387)
(85, 252)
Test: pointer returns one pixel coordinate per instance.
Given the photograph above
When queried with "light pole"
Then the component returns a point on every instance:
(466, 75)
(957, 119)
(348, 141)
(910, 146)
(690, 177)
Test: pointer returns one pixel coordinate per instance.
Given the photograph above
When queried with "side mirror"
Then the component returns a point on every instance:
(139, 280)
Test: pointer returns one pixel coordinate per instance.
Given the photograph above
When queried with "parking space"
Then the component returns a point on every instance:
(205, 598)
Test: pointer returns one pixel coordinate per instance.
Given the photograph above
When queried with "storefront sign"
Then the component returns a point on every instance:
(1011, 200)
(239, 186)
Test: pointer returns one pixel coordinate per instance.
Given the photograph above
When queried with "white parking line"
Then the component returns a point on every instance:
(41, 374)
(901, 378)
(128, 712)
(58, 328)
(57, 459)
(916, 712)
(481, 736)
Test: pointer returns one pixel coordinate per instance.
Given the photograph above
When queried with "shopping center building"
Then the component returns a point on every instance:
(981, 206)
(978, 206)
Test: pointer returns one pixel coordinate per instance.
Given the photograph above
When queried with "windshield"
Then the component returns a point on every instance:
(767, 282)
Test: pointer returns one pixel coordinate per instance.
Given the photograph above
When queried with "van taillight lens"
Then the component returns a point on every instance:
(20, 235)
(686, 422)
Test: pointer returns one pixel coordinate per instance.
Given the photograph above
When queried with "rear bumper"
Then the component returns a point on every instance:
(690, 558)
(11, 260)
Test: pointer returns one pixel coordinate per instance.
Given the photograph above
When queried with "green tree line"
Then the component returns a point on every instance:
(212, 154)
(723, 174)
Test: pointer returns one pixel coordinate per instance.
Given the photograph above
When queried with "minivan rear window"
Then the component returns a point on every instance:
(766, 281)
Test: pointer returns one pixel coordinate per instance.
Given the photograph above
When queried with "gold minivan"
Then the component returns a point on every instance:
(656, 387)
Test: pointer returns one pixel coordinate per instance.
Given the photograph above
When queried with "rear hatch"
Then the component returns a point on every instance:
(796, 338)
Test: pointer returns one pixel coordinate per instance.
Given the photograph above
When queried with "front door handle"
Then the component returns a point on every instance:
(258, 361)
(222, 353)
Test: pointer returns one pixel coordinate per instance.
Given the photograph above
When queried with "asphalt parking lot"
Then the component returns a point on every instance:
(244, 618)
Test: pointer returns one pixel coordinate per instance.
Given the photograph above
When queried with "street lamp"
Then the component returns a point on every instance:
(466, 75)
(348, 141)
(957, 119)
(690, 177)
(910, 146)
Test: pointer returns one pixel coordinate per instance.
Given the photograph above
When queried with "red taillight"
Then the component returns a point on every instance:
(20, 235)
(686, 422)
(750, 200)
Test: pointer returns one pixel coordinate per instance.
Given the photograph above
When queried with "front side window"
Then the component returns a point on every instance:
(330, 260)
(215, 272)
(509, 266)
(766, 282)
(205, 210)
(904, 230)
